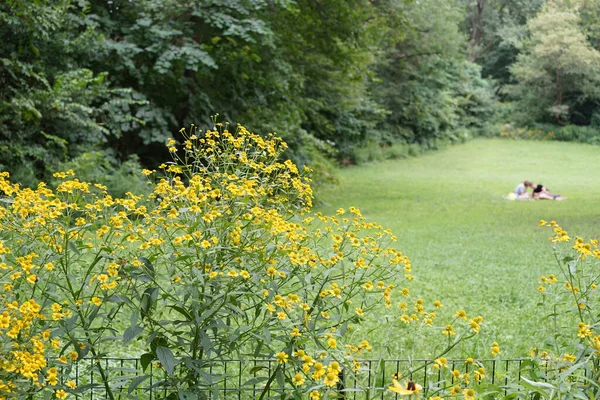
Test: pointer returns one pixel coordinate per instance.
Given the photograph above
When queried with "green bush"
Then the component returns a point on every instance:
(103, 168)
(396, 151)
(582, 134)
(369, 153)
(568, 133)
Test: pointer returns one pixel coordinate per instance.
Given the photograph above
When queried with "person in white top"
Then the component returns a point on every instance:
(521, 190)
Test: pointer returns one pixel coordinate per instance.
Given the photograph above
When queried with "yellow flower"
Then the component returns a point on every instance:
(461, 314)
(61, 394)
(449, 331)
(298, 379)
(319, 370)
(455, 374)
(469, 394)
(331, 379)
(332, 343)
(569, 357)
(334, 367)
(479, 374)
(410, 389)
(71, 384)
(364, 345)
(495, 348)
(440, 362)
(96, 300)
(314, 395)
(281, 357)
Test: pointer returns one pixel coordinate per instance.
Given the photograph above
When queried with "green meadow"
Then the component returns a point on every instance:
(469, 247)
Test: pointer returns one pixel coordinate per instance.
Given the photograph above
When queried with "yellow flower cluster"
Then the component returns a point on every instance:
(59, 249)
(26, 360)
(530, 134)
(224, 252)
(574, 302)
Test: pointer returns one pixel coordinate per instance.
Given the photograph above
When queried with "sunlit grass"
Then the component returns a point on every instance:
(469, 246)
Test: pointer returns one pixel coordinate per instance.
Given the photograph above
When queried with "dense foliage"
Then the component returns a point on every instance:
(121, 77)
(115, 79)
(544, 57)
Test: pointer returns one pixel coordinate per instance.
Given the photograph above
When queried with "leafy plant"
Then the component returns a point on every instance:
(222, 261)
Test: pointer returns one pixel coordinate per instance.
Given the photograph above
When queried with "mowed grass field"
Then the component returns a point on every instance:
(469, 247)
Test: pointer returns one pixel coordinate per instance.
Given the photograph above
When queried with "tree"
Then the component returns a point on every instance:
(52, 105)
(427, 83)
(558, 71)
(492, 26)
(590, 21)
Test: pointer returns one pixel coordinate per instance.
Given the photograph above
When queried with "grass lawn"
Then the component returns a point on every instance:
(469, 247)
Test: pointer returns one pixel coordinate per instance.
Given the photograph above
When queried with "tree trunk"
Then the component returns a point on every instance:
(559, 96)
(476, 30)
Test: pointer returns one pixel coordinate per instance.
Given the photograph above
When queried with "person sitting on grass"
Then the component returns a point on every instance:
(521, 190)
(542, 193)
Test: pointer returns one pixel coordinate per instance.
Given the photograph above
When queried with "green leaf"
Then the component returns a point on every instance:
(117, 298)
(258, 348)
(188, 395)
(131, 332)
(73, 247)
(255, 381)
(149, 268)
(280, 377)
(146, 359)
(183, 312)
(537, 386)
(206, 342)
(148, 297)
(166, 358)
(254, 370)
(137, 382)
(267, 335)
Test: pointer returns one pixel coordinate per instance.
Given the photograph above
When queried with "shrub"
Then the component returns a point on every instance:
(368, 153)
(103, 168)
(568, 133)
(396, 151)
(222, 260)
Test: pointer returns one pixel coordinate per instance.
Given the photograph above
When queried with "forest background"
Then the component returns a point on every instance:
(100, 86)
